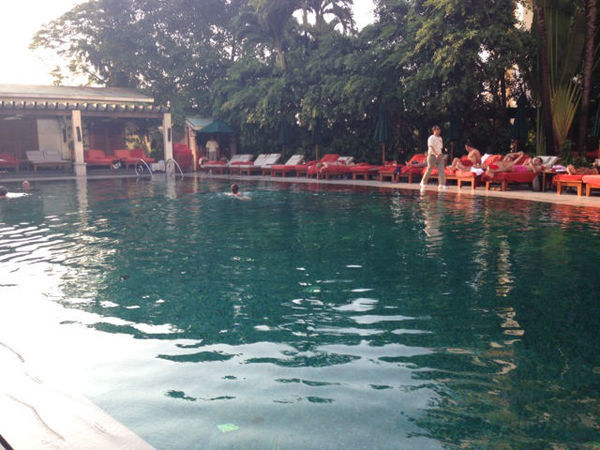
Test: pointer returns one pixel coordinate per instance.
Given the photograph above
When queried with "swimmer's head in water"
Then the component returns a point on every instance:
(26, 185)
(234, 188)
(3, 191)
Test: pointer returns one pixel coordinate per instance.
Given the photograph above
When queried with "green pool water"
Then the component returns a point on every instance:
(310, 317)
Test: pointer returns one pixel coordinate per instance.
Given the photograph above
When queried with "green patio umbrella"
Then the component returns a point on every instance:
(316, 136)
(453, 133)
(217, 127)
(382, 130)
(283, 138)
(518, 130)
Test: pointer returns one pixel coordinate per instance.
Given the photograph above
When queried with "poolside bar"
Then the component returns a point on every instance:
(68, 120)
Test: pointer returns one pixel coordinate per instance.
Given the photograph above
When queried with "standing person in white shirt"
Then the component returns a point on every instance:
(435, 158)
(212, 149)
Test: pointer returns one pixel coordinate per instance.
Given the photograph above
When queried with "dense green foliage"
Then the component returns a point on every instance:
(254, 62)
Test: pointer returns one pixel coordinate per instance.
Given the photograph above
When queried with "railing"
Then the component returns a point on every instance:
(141, 166)
(172, 163)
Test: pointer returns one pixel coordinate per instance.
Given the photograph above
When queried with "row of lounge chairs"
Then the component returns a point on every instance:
(94, 158)
(332, 165)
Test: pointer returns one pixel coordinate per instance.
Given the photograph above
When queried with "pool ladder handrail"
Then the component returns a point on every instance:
(176, 164)
(139, 168)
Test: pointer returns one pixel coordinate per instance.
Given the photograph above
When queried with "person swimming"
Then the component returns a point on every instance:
(235, 192)
(3, 192)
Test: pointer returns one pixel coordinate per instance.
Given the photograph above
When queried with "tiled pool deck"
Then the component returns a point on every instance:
(34, 414)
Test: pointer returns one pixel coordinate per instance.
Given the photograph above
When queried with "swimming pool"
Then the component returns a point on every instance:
(310, 317)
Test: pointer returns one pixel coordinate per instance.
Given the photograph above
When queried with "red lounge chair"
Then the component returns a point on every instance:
(216, 167)
(450, 173)
(506, 178)
(238, 161)
(9, 162)
(131, 157)
(591, 182)
(388, 170)
(98, 158)
(564, 180)
(364, 170)
(256, 166)
(302, 169)
(339, 167)
(414, 167)
(467, 176)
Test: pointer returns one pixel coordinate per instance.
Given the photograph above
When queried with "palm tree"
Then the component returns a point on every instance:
(268, 25)
(588, 69)
(540, 19)
(341, 10)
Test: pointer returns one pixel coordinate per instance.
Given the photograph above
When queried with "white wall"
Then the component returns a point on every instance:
(50, 136)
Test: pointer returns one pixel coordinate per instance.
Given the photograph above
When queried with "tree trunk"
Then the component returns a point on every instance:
(545, 77)
(588, 68)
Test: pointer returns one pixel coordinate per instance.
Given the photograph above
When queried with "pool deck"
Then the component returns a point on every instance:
(518, 193)
(38, 415)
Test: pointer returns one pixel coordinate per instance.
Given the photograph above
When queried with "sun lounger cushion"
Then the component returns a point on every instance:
(567, 177)
(593, 180)
(7, 160)
(513, 177)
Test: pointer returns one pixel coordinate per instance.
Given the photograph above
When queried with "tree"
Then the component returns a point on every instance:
(591, 13)
(544, 70)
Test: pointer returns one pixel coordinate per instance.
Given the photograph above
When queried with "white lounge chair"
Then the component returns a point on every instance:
(237, 164)
(47, 158)
(261, 166)
(288, 167)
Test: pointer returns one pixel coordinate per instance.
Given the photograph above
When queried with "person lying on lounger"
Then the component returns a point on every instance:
(513, 156)
(572, 170)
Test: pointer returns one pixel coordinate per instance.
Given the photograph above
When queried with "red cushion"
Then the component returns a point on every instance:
(363, 167)
(330, 157)
(513, 177)
(418, 158)
(412, 170)
(449, 171)
(7, 158)
(94, 154)
(594, 180)
(567, 177)
(491, 160)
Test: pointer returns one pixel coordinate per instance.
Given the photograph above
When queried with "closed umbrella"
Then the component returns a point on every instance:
(382, 130)
(316, 136)
(519, 129)
(283, 137)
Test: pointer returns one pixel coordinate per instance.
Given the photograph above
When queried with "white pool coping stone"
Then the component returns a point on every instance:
(35, 414)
